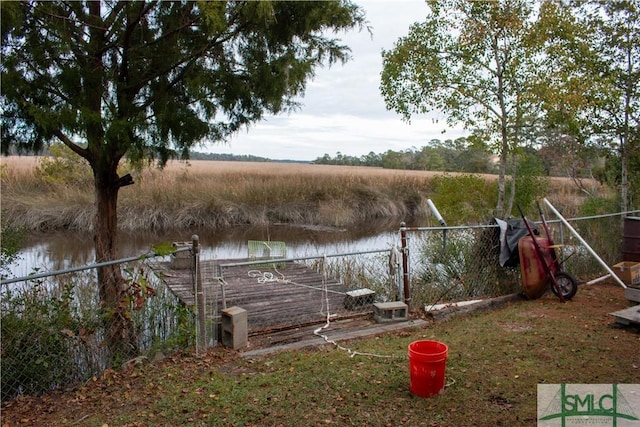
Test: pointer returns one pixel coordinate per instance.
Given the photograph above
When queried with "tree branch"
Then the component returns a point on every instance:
(82, 152)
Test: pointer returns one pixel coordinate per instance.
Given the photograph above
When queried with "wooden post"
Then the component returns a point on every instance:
(405, 265)
(201, 329)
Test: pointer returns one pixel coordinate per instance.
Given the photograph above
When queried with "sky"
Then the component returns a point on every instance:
(342, 108)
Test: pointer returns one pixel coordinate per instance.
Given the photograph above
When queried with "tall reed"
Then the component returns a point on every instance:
(215, 195)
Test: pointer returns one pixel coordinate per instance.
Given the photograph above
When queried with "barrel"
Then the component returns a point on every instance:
(631, 239)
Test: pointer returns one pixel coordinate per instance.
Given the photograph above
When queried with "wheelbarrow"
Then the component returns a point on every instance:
(540, 267)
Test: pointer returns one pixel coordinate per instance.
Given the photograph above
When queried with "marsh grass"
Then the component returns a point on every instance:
(215, 195)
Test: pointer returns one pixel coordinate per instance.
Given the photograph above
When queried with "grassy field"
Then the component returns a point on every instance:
(496, 360)
(215, 195)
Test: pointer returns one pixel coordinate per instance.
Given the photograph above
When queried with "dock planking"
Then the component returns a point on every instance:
(276, 297)
(628, 316)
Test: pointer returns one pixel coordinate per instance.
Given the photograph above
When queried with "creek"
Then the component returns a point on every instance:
(60, 250)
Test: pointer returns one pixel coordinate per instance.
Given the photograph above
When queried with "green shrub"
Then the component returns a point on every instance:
(596, 205)
(53, 330)
(529, 190)
(63, 166)
(10, 243)
(36, 345)
(462, 199)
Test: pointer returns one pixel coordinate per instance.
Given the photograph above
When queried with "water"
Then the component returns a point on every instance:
(57, 251)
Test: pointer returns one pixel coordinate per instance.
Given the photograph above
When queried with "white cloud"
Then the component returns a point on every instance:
(342, 110)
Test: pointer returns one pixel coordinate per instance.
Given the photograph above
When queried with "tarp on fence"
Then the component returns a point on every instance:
(511, 231)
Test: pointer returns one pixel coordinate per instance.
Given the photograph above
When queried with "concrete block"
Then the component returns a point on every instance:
(358, 298)
(234, 327)
(394, 311)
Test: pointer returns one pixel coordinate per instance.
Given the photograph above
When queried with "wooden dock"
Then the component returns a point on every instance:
(628, 316)
(631, 315)
(276, 297)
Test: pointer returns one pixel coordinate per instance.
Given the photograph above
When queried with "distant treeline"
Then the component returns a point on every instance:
(460, 155)
(471, 155)
(465, 154)
(195, 155)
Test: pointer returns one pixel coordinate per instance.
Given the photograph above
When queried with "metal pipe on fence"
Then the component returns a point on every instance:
(82, 268)
(405, 265)
(586, 245)
(201, 328)
(441, 220)
(304, 258)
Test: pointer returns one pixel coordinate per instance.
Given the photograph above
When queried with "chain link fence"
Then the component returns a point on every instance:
(452, 264)
(449, 264)
(54, 332)
(55, 329)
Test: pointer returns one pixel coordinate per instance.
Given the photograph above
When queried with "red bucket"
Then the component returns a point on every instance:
(427, 363)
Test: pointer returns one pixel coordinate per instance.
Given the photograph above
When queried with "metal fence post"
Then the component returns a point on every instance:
(405, 265)
(201, 329)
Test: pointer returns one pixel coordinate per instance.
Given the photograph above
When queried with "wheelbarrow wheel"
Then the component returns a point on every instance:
(567, 284)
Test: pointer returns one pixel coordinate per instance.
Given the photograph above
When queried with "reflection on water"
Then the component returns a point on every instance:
(56, 251)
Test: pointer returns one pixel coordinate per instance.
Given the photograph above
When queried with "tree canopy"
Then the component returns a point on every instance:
(147, 80)
(591, 85)
(470, 60)
(527, 74)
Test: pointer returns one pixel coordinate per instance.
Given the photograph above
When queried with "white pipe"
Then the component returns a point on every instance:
(586, 245)
(599, 279)
(435, 212)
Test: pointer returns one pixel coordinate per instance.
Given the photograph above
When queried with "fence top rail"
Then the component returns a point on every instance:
(448, 227)
(144, 256)
(277, 260)
(466, 227)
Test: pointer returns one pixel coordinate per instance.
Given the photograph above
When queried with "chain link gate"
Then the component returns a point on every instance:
(449, 264)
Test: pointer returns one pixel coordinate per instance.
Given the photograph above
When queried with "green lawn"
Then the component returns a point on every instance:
(496, 360)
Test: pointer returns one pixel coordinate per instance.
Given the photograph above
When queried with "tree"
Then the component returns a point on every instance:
(472, 61)
(592, 86)
(148, 80)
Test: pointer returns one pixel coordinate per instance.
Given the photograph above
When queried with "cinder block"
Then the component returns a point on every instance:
(394, 311)
(234, 327)
(358, 298)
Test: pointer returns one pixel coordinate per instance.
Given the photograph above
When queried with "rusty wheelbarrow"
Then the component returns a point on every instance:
(540, 266)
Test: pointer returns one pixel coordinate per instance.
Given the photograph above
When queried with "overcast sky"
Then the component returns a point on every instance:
(342, 109)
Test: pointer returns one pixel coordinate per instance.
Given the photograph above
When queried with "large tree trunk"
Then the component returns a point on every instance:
(120, 332)
(104, 157)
